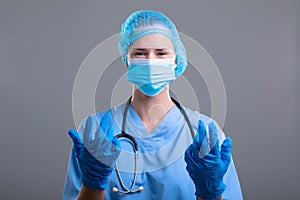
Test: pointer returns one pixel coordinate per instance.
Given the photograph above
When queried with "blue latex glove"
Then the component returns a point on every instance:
(206, 164)
(97, 153)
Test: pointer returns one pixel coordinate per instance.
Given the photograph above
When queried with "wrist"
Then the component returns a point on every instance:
(96, 181)
(95, 184)
(219, 198)
(90, 194)
(211, 192)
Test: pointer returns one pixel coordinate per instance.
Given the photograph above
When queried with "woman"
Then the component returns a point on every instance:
(172, 165)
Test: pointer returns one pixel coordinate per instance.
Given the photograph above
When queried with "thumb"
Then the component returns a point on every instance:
(77, 141)
(225, 151)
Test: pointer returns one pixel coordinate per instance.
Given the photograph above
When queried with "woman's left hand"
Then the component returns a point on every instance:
(206, 164)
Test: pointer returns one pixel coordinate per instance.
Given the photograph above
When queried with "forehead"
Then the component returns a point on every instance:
(155, 41)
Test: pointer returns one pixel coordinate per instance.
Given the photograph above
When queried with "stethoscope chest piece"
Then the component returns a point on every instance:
(135, 148)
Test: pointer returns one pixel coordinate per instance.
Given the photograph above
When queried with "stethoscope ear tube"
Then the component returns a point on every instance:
(185, 117)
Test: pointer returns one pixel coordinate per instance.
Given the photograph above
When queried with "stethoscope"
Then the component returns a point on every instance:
(135, 148)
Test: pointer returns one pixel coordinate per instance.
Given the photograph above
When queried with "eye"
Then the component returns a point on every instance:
(162, 53)
(139, 54)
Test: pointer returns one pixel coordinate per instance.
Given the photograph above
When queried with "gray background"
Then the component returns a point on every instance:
(254, 43)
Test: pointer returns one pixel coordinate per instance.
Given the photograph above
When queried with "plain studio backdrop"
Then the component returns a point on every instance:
(255, 45)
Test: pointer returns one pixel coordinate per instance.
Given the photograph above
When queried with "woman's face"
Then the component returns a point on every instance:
(152, 46)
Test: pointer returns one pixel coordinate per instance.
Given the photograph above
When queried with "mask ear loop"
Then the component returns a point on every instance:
(174, 61)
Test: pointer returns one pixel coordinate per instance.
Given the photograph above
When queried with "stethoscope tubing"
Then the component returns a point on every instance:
(123, 134)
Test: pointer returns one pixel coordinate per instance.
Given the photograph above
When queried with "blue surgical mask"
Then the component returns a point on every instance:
(151, 76)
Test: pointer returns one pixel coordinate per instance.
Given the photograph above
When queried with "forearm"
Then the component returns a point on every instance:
(199, 198)
(91, 194)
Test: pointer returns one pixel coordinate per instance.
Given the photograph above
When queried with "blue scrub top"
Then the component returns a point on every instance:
(161, 168)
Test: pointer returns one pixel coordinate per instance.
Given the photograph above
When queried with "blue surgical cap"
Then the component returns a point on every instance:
(145, 22)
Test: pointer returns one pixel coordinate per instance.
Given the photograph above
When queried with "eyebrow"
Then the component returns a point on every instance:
(144, 49)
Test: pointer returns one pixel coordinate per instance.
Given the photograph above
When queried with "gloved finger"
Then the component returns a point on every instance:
(195, 147)
(202, 140)
(89, 131)
(225, 151)
(109, 131)
(204, 149)
(213, 139)
(106, 126)
(74, 135)
(201, 134)
(96, 136)
(116, 143)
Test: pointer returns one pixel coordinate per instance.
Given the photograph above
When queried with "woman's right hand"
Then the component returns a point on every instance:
(97, 152)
